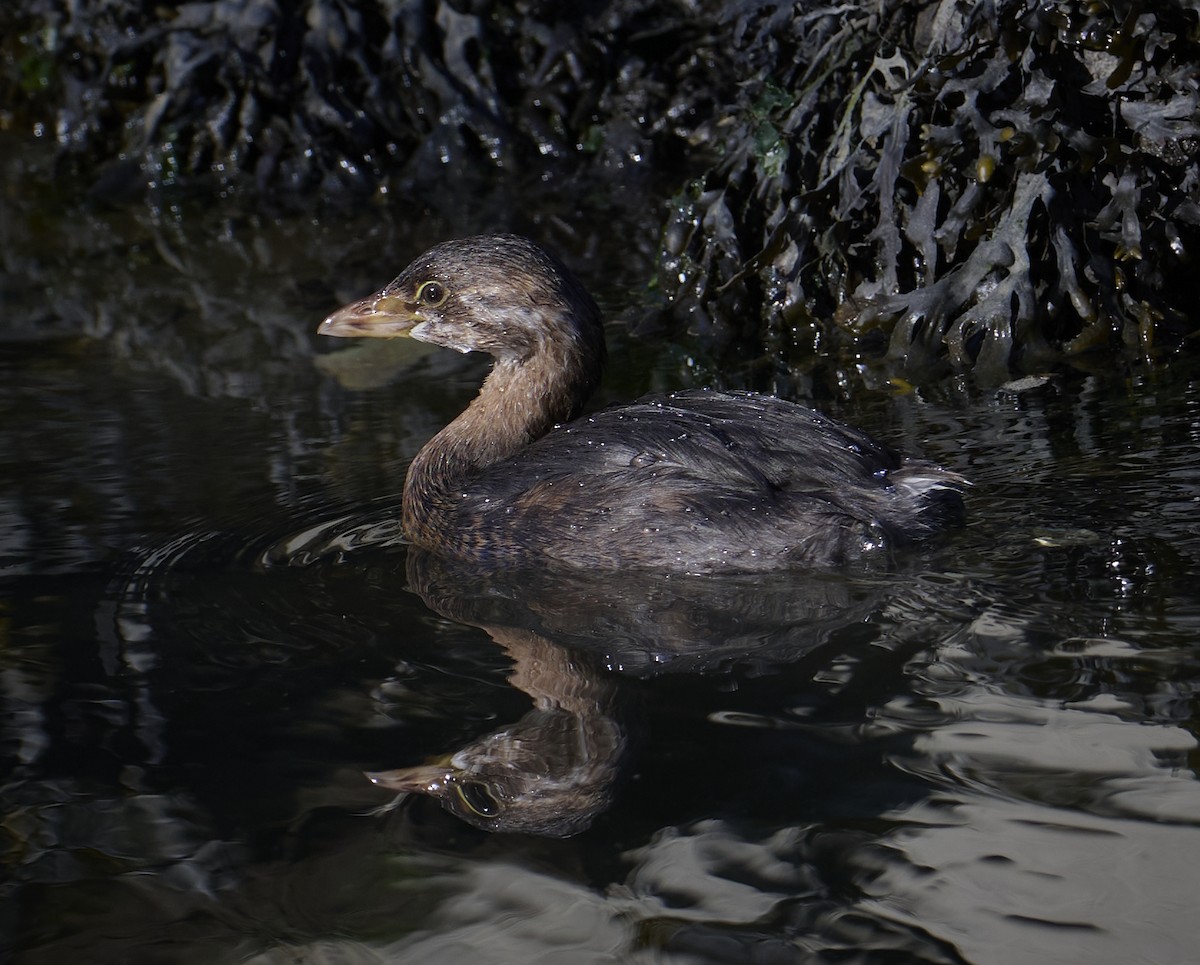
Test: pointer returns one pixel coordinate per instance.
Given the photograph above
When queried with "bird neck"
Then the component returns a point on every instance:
(519, 402)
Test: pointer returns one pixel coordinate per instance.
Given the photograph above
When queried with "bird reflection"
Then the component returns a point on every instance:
(554, 771)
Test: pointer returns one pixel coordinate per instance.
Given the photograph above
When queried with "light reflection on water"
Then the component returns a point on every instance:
(210, 633)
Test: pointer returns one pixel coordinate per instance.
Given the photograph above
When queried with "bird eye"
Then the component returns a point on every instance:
(432, 293)
(478, 799)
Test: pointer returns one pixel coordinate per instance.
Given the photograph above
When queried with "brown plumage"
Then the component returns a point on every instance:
(700, 481)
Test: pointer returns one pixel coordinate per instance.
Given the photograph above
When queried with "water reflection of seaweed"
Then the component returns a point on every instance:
(556, 769)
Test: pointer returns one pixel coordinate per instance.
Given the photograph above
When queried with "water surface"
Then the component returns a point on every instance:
(984, 753)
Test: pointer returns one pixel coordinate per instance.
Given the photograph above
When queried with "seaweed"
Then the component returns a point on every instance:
(979, 186)
(927, 186)
(349, 96)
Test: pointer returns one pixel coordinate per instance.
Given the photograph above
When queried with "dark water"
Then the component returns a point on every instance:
(208, 633)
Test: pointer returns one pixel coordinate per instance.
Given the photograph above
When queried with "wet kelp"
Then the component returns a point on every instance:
(958, 185)
(936, 184)
(347, 95)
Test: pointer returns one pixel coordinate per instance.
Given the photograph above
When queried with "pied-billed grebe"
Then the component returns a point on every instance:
(700, 481)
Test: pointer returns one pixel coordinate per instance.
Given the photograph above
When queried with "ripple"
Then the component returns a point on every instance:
(989, 876)
(1083, 757)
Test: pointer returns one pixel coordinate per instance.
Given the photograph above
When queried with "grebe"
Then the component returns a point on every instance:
(698, 481)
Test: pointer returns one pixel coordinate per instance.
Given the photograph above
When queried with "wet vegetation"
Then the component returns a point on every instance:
(957, 184)
(351, 96)
(936, 186)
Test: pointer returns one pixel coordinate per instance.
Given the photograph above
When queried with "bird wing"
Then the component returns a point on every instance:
(707, 475)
